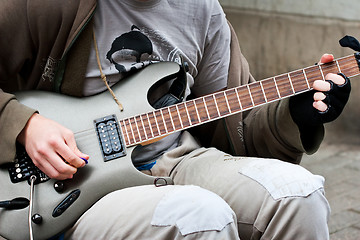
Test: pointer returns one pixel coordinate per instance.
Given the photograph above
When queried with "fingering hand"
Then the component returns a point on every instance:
(325, 102)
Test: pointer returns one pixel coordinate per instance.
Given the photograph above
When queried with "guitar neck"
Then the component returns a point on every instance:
(161, 122)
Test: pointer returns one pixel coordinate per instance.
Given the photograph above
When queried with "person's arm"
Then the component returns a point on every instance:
(288, 128)
(13, 118)
(47, 143)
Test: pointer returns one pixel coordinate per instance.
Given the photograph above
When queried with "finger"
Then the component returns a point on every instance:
(323, 86)
(320, 105)
(319, 96)
(335, 78)
(71, 153)
(54, 167)
(326, 58)
(69, 156)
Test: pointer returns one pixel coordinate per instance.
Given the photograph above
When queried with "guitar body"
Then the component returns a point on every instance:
(96, 179)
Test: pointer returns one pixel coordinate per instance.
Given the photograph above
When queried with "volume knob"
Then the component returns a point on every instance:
(36, 218)
(59, 186)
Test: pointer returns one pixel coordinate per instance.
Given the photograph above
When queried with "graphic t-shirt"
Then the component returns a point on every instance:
(133, 34)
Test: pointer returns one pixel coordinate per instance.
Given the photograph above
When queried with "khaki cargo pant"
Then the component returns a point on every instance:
(215, 196)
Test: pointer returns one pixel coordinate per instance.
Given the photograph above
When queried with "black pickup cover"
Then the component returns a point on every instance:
(110, 137)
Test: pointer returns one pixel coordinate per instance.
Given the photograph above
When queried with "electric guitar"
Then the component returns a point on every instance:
(109, 136)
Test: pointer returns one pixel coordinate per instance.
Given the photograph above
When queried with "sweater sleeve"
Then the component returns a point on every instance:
(269, 131)
(266, 131)
(15, 53)
(13, 119)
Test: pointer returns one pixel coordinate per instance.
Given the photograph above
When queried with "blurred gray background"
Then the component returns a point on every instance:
(278, 36)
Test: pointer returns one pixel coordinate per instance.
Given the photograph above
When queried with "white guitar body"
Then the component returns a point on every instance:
(96, 179)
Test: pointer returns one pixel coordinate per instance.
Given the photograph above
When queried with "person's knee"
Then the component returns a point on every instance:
(192, 210)
(294, 202)
(282, 179)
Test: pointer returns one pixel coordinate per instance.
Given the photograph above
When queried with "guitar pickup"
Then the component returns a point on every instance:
(110, 137)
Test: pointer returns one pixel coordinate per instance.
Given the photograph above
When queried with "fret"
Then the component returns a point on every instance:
(256, 94)
(154, 124)
(141, 132)
(349, 66)
(211, 106)
(171, 119)
(197, 112)
(337, 65)
(245, 97)
(270, 89)
(128, 131)
(207, 110)
(146, 124)
(222, 107)
(124, 130)
(177, 109)
(233, 100)
(160, 122)
(238, 97)
(321, 71)
(298, 80)
(201, 109)
(227, 102)
(252, 100)
(262, 89)
(283, 84)
(351, 70)
(277, 88)
(306, 79)
(187, 114)
(184, 116)
(291, 84)
(190, 106)
(175, 117)
(313, 73)
(143, 126)
(328, 68)
(216, 106)
(169, 125)
(133, 130)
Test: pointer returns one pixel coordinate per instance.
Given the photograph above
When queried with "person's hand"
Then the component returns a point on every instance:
(323, 104)
(51, 147)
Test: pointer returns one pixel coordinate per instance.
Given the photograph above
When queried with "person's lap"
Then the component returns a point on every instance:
(267, 198)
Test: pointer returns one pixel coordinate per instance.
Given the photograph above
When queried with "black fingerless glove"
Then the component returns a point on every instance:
(305, 115)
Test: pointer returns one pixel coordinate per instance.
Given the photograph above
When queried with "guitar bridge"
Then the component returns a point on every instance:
(110, 137)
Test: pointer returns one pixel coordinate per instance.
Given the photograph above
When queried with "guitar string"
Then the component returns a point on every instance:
(310, 70)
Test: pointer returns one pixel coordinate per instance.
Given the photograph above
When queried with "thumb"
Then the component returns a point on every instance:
(70, 141)
(326, 58)
(81, 154)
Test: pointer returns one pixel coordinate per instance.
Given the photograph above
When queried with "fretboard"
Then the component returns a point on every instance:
(164, 121)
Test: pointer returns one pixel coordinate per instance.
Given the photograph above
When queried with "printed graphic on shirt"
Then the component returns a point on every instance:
(140, 47)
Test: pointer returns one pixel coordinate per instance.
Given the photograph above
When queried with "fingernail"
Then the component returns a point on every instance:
(86, 161)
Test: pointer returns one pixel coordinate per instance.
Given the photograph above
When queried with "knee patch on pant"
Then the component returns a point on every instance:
(282, 179)
(193, 209)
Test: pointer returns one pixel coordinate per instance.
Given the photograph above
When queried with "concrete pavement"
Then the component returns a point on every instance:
(338, 160)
